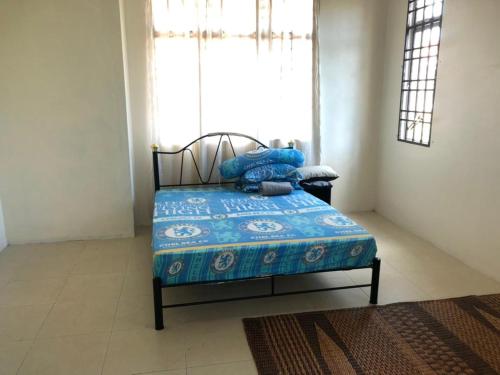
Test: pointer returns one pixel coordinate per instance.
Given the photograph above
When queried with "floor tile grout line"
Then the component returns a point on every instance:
(41, 326)
(51, 308)
(72, 266)
(401, 275)
(25, 356)
(159, 371)
(65, 282)
(84, 245)
(116, 311)
(221, 363)
(408, 279)
(103, 332)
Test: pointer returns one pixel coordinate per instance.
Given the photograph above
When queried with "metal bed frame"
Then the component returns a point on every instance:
(157, 283)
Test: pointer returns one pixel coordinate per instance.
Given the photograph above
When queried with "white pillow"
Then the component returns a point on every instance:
(317, 173)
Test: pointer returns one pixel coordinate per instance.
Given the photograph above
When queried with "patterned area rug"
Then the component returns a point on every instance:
(453, 336)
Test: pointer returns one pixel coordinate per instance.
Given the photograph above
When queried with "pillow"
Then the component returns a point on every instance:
(271, 172)
(235, 167)
(318, 173)
(255, 187)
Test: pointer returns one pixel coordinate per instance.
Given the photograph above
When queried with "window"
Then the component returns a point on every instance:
(423, 33)
(246, 66)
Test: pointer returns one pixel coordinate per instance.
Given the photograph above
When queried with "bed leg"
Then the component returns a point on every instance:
(158, 303)
(375, 281)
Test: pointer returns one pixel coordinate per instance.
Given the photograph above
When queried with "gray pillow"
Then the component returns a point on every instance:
(317, 173)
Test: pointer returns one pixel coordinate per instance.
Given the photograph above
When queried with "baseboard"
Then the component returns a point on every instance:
(114, 236)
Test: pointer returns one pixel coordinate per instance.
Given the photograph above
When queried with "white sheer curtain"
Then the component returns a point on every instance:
(247, 66)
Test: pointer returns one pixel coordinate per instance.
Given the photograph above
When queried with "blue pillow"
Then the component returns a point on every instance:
(271, 172)
(235, 167)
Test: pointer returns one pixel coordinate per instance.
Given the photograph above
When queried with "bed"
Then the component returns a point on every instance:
(207, 233)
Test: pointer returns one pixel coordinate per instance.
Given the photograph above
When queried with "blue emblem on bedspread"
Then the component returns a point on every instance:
(206, 234)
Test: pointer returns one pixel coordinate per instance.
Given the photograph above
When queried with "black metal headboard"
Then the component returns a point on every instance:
(187, 148)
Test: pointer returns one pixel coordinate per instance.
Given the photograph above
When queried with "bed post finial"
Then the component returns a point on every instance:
(155, 147)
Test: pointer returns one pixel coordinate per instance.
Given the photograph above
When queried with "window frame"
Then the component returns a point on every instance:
(409, 48)
(259, 34)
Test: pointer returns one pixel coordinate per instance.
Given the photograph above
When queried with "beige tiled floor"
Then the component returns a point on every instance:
(86, 307)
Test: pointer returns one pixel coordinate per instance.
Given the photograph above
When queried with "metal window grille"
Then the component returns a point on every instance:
(418, 86)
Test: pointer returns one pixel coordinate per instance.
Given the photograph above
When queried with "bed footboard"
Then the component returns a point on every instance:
(158, 302)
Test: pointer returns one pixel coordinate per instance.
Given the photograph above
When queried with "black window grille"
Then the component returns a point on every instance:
(421, 52)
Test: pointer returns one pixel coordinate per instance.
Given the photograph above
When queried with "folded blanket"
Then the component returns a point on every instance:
(275, 188)
(271, 172)
(235, 167)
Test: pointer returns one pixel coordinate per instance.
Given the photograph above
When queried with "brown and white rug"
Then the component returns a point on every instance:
(453, 336)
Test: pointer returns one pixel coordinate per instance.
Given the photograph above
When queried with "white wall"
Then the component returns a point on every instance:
(449, 193)
(351, 40)
(3, 236)
(135, 30)
(63, 131)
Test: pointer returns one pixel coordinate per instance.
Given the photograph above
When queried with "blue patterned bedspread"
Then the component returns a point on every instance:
(207, 234)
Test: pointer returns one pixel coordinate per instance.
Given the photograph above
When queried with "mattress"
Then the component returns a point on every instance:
(219, 233)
